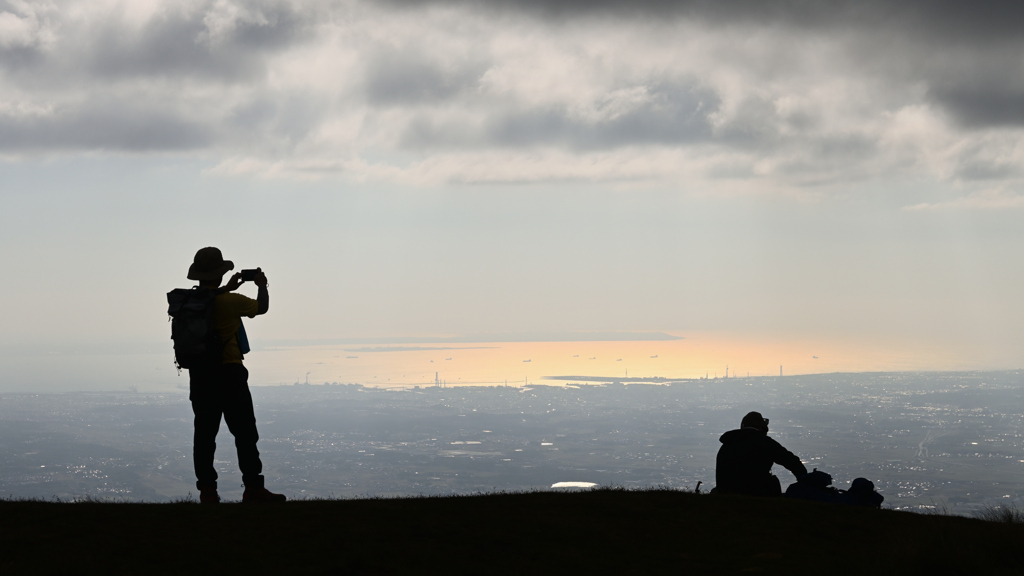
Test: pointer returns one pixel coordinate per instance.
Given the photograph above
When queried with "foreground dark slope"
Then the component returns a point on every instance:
(604, 531)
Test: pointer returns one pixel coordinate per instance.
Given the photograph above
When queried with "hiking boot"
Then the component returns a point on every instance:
(209, 496)
(261, 495)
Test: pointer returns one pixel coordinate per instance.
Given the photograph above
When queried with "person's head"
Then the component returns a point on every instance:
(209, 267)
(756, 421)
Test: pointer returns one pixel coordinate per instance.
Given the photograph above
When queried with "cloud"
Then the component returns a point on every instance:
(23, 25)
(636, 115)
(226, 40)
(26, 29)
(993, 199)
(102, 126)
(940, 19)
(767, 95)
(407, 76)
(982, 105)
(943, 42)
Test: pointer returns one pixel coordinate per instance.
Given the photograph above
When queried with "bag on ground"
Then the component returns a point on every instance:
(816, 486)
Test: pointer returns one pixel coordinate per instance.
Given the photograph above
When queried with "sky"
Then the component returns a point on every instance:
(841, 172)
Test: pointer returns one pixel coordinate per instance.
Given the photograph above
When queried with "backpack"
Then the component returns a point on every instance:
(862, 493)
(816, 486)
(196, 342)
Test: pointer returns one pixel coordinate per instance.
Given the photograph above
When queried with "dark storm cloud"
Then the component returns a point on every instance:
(927, 39)
(982, 105)
(984, 20)
(671, 114)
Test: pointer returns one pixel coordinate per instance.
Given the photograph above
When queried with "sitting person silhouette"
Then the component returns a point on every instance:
(745, 460)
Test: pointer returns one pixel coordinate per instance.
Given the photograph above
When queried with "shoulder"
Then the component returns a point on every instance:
(773, 443)
(731, 436)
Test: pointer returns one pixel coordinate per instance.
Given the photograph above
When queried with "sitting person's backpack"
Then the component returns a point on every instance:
(861, 493)
(196, 342)
(815, 486)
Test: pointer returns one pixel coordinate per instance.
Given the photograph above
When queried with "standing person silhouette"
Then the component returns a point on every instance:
(222, 389)
(745, 460)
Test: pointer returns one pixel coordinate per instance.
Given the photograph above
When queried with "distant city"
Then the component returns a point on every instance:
(951, 441)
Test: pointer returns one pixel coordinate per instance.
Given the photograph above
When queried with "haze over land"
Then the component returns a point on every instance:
(950, 440)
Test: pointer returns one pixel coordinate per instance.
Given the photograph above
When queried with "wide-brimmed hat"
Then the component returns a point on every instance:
(209, 264)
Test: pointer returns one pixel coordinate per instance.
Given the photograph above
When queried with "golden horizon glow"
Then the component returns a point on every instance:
(516, 363)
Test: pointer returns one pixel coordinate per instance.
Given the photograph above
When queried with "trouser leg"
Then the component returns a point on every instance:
(241, 420)
(207, 411)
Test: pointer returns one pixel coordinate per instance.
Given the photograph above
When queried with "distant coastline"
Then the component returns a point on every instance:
(416, 348)
(658, 379)
(484, 338)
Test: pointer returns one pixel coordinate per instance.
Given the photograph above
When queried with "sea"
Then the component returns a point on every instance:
(396, 364)
(518, 363)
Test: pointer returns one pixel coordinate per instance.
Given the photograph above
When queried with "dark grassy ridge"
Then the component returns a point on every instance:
(596, 532)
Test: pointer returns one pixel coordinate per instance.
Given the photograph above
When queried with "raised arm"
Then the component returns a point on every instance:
(787, 459)
(263, 296)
